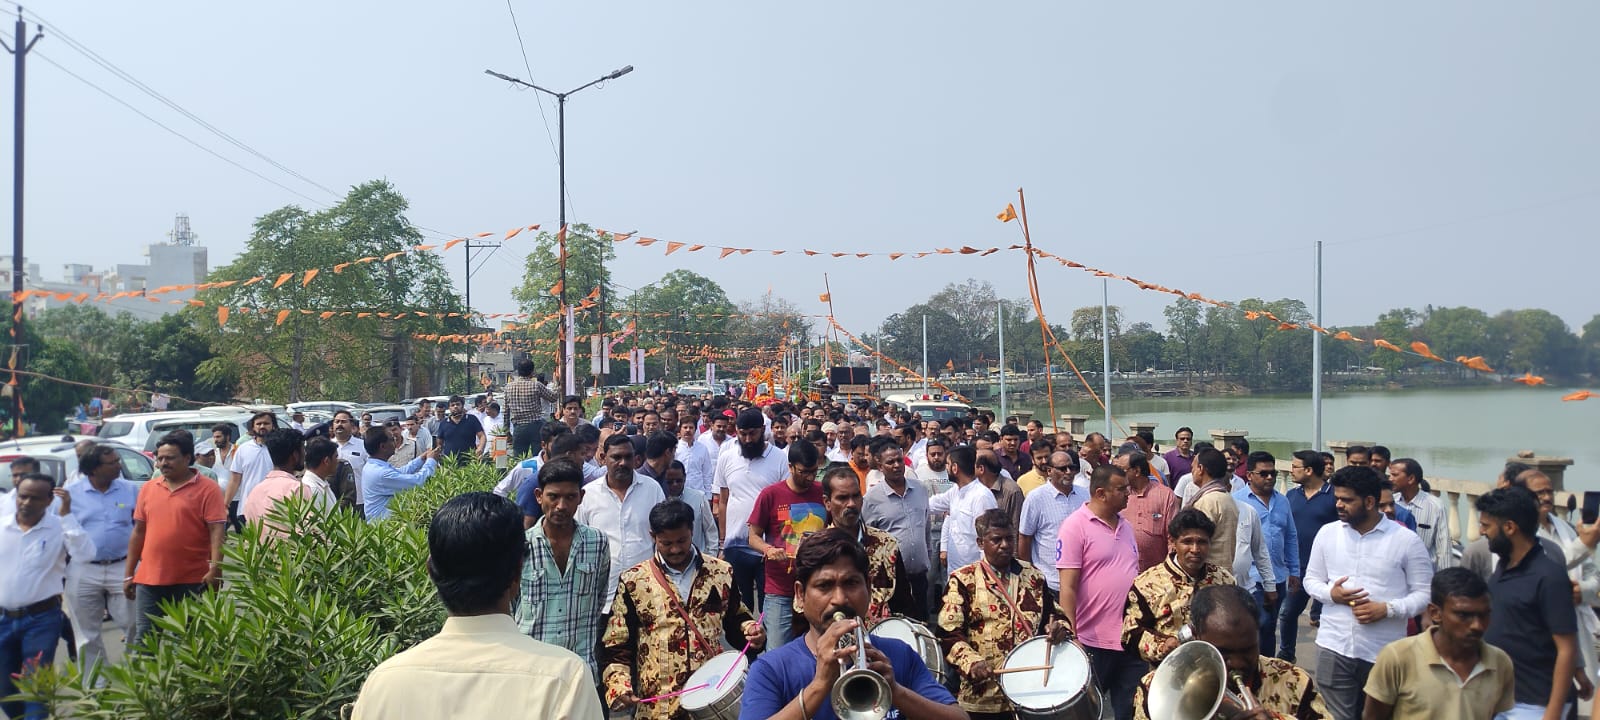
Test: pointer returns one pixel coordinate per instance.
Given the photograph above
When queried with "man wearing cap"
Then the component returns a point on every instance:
(741, 474)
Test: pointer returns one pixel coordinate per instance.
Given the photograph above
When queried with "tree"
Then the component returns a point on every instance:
(47, 402)
(1458, 331)
(683, 308)
(349, 332)
(587, 255)
(971, 303)
(1140, 347)
(1183, 332)
(1536, 341)
(1394, 326)
(1591, 344)
(763, 325)
(112, 345)
(900, 337)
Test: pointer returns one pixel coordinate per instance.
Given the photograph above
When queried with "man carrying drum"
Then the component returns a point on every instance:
(670, 616)
(1158, 604)
(992, 606)
(886, 571)
(794, 682)
(1226, 616)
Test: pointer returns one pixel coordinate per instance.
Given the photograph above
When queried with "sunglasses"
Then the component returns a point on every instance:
(1063, 468)
(1265, 473)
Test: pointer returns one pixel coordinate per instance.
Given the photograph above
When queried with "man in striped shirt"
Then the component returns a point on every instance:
(1433, 523)
(569, 564)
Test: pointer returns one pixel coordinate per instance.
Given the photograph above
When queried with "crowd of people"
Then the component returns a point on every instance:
(632, 547)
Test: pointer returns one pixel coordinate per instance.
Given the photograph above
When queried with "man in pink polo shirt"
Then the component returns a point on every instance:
(287, 450)
(1098, 560)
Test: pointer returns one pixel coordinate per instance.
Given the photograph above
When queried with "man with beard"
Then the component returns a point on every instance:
(564, 578)
(251, 462)
(1225, 616)
(900, 507)
(671, 615)
(991, 607)
(739, 479)
(886, 571)
(1531, 597)
(1447, 670)
(1371, 575)
(794, 682)
(1158, 605)
(287, 449)
(782, 516)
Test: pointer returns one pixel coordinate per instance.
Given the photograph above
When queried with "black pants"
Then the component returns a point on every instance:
(919, 596)
(1117, 672)
(148, 598)
(749, 575)
(525, 438)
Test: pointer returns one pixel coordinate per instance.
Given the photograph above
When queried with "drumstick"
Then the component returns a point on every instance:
(746, 649)
(701, 686)
(1049, 649)
(1003, 671)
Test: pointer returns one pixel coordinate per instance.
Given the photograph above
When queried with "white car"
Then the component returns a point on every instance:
(133, 429)
(58, 458)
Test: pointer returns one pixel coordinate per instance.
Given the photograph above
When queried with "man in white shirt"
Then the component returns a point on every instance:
(34, 547)
(1433, 523)
(716, 441)
(1371, 576)
(963, 503)
(250, 465)
(352, 450)
(698, 465)
(741, 474)
(322, 461)
(618, 505)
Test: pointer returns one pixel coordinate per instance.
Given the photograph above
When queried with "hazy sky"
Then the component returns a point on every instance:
(1445, 152)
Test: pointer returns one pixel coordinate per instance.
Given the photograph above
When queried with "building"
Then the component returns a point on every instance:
(179, 262)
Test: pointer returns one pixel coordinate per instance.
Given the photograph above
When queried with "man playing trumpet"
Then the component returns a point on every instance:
(992, 606)
(1225, 616)
(669, 617)
(795, 681)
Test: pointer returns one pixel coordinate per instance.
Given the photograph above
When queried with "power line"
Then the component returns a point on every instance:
(528, 67)
(146, 89)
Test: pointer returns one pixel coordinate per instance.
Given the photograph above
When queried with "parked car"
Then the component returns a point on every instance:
(199, 426)
(383, 413)
(58, 458)
(133, 429)
(327, 406)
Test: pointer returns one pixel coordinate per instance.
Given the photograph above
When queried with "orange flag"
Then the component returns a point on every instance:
(1529, 379)
(1421, 348)
(825, 297)
(1385, 344)
(556, 288)
(282, 279)
(309, 275)
(222, 316)
(1008, 214)
(726, 252)
(673, 247)
(1579, 395)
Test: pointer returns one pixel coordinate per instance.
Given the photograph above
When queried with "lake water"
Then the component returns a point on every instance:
(1464, 434)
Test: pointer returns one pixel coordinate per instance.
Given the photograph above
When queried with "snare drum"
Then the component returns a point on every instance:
(919, 637)
(712, 702)
(1070, 694)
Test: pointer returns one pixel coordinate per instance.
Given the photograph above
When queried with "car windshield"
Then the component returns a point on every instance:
(939, 412)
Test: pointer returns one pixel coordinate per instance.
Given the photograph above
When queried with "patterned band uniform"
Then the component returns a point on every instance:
(1158, 605)
(886, 571)
(1281, 687)
(984, 617)
(649, 647)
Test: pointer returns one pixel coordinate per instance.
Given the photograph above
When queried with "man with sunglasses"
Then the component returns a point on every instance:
(1278, 533)
(1043, 512)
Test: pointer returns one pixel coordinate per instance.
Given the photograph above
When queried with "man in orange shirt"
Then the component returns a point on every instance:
(176, 546)
(287, 449)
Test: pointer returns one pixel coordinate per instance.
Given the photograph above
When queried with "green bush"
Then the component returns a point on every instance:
(300, 623)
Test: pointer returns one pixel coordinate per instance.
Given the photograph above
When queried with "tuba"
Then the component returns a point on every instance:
(1192, 684)
(859, 693)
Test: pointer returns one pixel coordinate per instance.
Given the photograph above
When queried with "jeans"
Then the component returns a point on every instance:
(525, 438)
(1289, 623)
(779, 620)
(92, 591)
(147, 605)
(25, 643)
(1268, 619)
(1117, 673)
(1343, 683)
(749, 574)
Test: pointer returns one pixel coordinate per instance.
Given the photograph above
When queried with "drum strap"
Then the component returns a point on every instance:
(673, 600)
(1007, 591)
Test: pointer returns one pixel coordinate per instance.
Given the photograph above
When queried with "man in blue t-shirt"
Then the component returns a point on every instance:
(795, 682)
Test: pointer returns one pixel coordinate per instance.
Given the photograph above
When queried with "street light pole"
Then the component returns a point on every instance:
(561, 233)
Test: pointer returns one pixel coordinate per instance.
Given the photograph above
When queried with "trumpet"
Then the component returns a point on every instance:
(859, 693)
(1192, 684)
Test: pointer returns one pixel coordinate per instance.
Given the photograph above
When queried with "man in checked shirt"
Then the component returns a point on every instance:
(526, 405)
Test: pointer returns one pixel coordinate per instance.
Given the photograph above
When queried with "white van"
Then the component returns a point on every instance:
(930, 406)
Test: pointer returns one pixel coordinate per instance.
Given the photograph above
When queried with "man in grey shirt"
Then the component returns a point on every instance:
(899, 506)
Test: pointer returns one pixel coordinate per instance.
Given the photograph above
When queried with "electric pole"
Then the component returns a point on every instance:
(467, 251)
(21, 53)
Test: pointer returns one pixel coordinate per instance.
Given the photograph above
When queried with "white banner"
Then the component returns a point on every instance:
(569, 372)
(711, 376)
(605, 357)
(597, 350)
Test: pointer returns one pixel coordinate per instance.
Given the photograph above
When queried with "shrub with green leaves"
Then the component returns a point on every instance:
(301, 622)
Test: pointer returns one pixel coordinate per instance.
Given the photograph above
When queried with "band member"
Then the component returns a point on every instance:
(794, 682)
(992, 606)
(1158, 604)
(670, 615)
(1226, 616)
(886, 571)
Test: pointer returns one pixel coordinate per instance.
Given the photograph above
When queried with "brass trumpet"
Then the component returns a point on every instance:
(1192, 684)
(859, 693)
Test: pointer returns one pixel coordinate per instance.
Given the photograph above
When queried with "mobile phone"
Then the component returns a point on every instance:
(1591, 507)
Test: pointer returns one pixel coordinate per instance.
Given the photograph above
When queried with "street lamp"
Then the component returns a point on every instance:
(561, 161)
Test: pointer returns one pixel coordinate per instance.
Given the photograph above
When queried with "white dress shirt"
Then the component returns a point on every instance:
(1251, 552)
(959, 536)
(1389, 563)
(625, 522)
(1433, 524)
(698, 466)
(744, 479)
(33, 563)
(715, 450)
(354, 451)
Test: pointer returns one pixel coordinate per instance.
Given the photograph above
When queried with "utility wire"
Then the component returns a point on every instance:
(538, 98)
